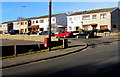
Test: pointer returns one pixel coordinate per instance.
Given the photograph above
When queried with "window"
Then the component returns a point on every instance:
(86, 17)
(33, 22)
(94, 16)
(103, 16)
(46, 20)
(25, 30)
(70, 28)
(3, 25)
(25, 23)
(36, 21)
(114, 26)
(17, 23)
(70, 19)
(22, 23)
(76, 18)
(103, 26)
(53, 19)
(41, 21)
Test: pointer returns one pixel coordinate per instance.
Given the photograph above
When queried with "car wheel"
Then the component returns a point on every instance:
(64, 36)
(77, 36)
(56, 36)
(87, 37)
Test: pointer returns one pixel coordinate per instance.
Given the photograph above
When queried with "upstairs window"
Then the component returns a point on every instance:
(94, 16)
(70, 19)
(87, 17)
(53, 19)
(22, 23)
(41, 21)
(33, 22)
(46, 20)
(36, 21)
(102, 16)
(25, 23)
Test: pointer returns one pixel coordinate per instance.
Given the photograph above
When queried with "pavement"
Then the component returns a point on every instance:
(74, 46)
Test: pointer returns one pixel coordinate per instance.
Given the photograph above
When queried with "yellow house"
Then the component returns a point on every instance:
(107, 18)
(23, 26)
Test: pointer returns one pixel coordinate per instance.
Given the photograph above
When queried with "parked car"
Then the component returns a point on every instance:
(85, 34)
(45, 33)
(64, 34)
(14, 32)
(75, 32)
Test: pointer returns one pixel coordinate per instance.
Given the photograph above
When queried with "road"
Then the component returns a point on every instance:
(97, 60)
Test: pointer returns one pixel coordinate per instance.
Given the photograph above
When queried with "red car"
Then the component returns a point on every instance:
(64, 34)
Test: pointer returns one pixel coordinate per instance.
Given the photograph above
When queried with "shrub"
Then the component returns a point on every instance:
(103, 30)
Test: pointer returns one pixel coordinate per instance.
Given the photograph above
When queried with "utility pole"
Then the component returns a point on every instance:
(49, 33)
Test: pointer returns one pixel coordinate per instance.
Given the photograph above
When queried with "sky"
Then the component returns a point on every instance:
(11, 10)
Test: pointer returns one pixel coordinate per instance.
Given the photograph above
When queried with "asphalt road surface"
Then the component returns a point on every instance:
(98, 61)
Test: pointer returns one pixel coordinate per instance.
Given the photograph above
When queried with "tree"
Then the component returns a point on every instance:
(79, 29)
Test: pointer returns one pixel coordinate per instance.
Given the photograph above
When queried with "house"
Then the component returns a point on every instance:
(74, 22)
(6, 26)
(22, 24)
(25, 24)
(58, 22)
(3, 28)
(107, 18)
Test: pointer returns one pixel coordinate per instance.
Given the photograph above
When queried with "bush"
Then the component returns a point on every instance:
(103, 30)
(80, 30)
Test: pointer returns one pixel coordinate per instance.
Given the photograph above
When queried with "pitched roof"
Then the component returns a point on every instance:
(28, 19)
(48, 16)
(95, 11)
(33, 18)
(7, 22)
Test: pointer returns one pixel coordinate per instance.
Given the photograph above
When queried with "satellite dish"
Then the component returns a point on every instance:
(119, 4)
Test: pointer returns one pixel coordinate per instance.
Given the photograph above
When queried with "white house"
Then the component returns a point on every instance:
(74, 22)
(4, 27)
(58, 22)
(16, 25)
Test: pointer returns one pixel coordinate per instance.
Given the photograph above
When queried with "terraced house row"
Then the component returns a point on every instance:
(108, 18)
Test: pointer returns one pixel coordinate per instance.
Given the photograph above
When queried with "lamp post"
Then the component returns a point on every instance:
(119, 4)
(49, 33)
(21, 11)
(20, 17)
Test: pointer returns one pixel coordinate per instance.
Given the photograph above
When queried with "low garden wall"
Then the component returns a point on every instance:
(10, 50)
(108, 34)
